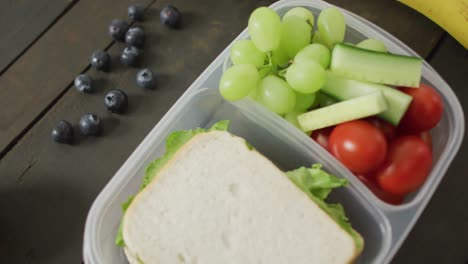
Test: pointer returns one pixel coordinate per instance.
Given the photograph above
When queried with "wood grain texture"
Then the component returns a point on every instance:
(441, 234)
(75, 36)
(49, 67)
(48, 188)
(409, 26)
(22, 21)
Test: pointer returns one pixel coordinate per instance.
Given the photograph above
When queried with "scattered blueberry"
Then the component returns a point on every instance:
(117, 29)
(116, 101)
(145, 79)
(136, 12)
(100, 60)
(130, 56)
(90, 125)
(135, 36)
(170, 16)
(62, 132)
(84, 83)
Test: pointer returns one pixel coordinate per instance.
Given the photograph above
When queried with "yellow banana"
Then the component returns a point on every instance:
(451, 15)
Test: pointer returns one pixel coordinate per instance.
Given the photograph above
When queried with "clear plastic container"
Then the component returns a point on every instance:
(383, 226)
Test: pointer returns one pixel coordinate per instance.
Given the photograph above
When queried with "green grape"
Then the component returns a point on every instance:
(302, 13)
(372, 44)
(316, 52)
(265, 29)
(276, 94)
(318, 39)
(315, 104)
(304, 101)
(253, 93)
(295, 35)
(332, 26)
(324, 100)
(306, 77)
(245, 52)
(291, 117)
(238, 81)
(279, 57)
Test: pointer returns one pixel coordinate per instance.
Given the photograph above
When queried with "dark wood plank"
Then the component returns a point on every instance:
(48, 188)
(42, 73)
(21, 22)
(441, 234)
(409, 26)
(74, 38)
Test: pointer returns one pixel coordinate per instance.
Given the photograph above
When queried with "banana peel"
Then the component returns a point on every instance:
(451, 15)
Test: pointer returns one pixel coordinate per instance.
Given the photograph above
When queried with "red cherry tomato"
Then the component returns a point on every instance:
(407, 166)
(425, 110)
(360, 146)
(321, 136)
(387, 129)
(427, 138)
(384, 196)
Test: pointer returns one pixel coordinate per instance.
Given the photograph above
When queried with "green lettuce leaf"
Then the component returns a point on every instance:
(317, 184)
(173, 143)
(119, 239)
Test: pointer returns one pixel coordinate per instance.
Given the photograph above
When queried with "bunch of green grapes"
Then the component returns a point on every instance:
(283, 64)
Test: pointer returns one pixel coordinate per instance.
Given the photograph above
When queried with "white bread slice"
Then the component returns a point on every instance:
(217, 201)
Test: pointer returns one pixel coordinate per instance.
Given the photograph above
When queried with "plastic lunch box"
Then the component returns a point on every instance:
(383, 226)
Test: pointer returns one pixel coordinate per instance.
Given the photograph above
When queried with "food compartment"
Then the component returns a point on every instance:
(446, 135)
(202, 109)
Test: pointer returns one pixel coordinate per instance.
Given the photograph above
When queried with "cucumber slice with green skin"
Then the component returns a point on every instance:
(372, 44)
(344, 89)
(356, 108)
(378, 67)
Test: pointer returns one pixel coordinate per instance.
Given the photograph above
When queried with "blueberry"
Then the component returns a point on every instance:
(117, 29)
(62, 132)
(84, 83)
(130, 56)
(116, 101)
(135, 36)
(90, 125)
(136, 12)
(170, 16)
(100, 60)
(145, 79)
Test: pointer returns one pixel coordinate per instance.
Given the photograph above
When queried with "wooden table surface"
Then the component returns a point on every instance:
(46, 189)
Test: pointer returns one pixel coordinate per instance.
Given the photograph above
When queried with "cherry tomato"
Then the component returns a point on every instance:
(427, 138)
(407, 166)
(360, 146)
(382, 195)
(425, 110)
(387, 129)
(321, 136)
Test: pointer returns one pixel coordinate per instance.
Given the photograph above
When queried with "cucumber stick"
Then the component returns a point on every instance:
(344, 89)
(378, 67)
(344, 111)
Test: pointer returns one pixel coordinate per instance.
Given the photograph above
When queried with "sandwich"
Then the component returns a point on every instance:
(212, 198)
